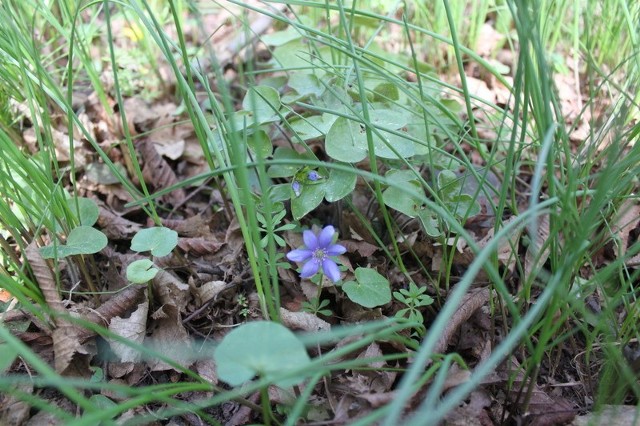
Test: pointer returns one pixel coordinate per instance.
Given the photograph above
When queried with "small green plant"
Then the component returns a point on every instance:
(317, 306)
(370, 288)
(83, 239)
(158, 240)
(414, 299)
(273, 227)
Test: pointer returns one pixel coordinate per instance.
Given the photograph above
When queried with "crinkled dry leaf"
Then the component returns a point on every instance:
(208, 291)
(169, 290)
(71, 356)
(159, 173)
(193, 226)
(169, 338)
(199, 246)
(303, 321)
(133, 329)
(116, 227)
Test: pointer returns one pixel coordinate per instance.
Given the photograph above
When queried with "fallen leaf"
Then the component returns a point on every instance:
(133, 329)
(303, 321)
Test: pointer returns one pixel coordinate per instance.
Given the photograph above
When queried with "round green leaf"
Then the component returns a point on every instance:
(260, 348)
(159, 240)
(346, 141)
(285, 170)
(371, 289)
(339, 185)
(141, 271)
(88, 210)
(81, 240)
(263, 102)
(310, 197)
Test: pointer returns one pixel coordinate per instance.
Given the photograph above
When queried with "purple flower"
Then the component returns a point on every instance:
(317, 252)
(313, 176)
(297, 188)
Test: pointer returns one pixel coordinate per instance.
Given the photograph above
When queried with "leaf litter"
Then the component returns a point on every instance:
(174, 314)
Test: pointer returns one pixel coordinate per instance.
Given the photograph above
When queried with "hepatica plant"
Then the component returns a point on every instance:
(317, 253)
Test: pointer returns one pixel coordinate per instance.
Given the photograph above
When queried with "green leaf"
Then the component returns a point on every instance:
(263, 102)
(260, 143)
(260, 348)
(346, 141)
(158, 239)
(310, 197)
(339, 185)
(399, 199)
(81, 240)
(370, 290)
(141, 271)
(306, 84)
(102, 402)
(88, 210)
(280, 192)
(9, 354)
(385, 92)
(313, 127)
(279, 38)
(286, 170)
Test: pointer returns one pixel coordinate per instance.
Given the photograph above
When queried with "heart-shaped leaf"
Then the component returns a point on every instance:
(339, 185)
(141, 271)
(81, 240)
(160, 241)
(260, 348)
(87, 209)
(370, 290)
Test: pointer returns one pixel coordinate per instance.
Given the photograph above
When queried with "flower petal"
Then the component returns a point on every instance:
(335, 249)
(310, 240)
(326, 236)
(299, 255)
(331, 270)
(309, 269)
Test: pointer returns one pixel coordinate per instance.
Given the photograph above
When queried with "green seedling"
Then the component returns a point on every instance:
(317, 306)
(81, 240)
(158, 240)
(414, 299)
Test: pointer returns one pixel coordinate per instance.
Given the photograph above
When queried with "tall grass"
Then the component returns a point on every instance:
(45, 50)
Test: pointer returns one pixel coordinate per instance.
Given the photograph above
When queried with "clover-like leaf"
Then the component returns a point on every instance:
(160, 241)
(370, 290)
(81, 240)
(141, 271)
(261, 348)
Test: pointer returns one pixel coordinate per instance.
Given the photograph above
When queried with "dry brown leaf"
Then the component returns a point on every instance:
(169, 290)
(158, 173)
(193, 226)
(170, 338)
(611, 415)
(303, 321)
(472, 301)
(71, 356)
(116, 227)
(534, 259)
(625, 222)
(199, 246)
(133, 329)
(208, 291)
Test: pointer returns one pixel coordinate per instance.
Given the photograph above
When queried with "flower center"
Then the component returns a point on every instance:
(319, 255)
